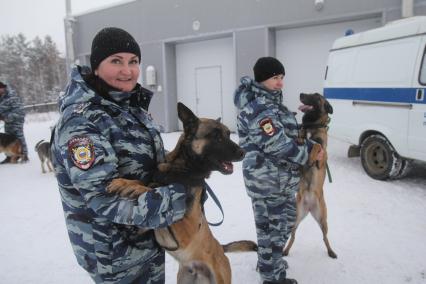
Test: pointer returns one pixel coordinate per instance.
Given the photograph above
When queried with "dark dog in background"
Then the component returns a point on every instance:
(43, 150)
(11, 146)
(204, 146)
(310, 197)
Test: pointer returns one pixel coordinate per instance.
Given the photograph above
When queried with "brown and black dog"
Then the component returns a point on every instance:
(310, 197)
(11, 146)
(204, 146)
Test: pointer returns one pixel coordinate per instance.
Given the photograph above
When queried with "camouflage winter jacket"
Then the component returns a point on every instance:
(95, 141)
(267, 132)
(11, 107)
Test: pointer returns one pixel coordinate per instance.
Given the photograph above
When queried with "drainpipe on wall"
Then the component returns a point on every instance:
(69, 22)
(407, 8)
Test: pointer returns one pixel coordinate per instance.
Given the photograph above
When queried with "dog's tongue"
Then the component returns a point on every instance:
(305, 108)
(228, 167)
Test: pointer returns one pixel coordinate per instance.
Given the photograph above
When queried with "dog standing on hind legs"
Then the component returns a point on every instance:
(204, 146)
(310, 197)
(43, 150)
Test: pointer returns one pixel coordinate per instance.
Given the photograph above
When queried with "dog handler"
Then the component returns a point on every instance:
(267, 131)
(13, 115)
(105, 132)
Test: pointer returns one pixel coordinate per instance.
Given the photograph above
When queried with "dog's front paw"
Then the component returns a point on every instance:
(127, 188)
(316, 148)
(164, 167)
(300, 141)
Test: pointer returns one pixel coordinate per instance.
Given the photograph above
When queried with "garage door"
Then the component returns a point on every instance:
(304, 52)
(206, 78)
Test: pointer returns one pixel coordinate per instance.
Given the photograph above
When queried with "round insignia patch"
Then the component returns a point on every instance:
(82, 152)
(267, 126)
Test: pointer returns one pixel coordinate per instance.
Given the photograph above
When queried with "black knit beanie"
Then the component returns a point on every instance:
(267, 67)
(109, 41)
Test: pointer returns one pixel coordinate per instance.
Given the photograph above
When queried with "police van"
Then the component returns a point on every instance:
(376, 81)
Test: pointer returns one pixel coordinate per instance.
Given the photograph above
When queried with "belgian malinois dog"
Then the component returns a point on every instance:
(204, 146)
(11, 146)
(310, 197)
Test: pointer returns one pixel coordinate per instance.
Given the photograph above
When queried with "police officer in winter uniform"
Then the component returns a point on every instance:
(105, 132)
(13, 115)
(267, 131)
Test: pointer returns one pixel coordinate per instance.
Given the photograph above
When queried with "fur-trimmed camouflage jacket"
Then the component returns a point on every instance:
(11, 107)
(99, 138)
(267, 131)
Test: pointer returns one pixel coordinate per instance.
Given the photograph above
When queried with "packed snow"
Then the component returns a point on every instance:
(377, 228)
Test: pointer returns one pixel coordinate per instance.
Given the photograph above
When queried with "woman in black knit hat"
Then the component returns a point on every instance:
(105, 132)
(267, 132)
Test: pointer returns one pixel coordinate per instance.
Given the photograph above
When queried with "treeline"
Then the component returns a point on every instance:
(34, 69)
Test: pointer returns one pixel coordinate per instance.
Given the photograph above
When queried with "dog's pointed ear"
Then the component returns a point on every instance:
(188, 118)
(328, 108)
(218, 119)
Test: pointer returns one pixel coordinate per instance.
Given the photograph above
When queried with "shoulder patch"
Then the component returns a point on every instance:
(267, 126)
(82, 152)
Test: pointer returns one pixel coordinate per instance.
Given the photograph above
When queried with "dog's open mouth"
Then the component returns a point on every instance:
(226, 168)
(305, 108)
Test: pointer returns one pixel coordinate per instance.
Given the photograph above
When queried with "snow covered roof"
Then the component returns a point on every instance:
(396, 29)
(106, 6)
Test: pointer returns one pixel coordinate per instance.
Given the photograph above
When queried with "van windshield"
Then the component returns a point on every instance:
(422, 76)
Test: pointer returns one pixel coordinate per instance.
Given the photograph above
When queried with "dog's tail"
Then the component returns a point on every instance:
(38, 144)
(240, 246)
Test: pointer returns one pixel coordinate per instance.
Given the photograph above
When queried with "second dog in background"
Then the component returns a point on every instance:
(43, 150)
(11, 147)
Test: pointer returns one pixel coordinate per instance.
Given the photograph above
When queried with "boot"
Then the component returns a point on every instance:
(285, 281)
(24, 159)
(6, 161)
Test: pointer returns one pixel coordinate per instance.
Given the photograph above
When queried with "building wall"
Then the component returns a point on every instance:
(159, 25)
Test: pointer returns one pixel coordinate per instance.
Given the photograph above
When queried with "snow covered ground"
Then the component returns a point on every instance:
(377, 229)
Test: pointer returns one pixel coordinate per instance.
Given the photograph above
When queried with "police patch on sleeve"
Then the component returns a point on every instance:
(82, 152)
(267, 126)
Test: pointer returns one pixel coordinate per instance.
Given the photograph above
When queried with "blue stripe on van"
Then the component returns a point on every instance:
(394, 95)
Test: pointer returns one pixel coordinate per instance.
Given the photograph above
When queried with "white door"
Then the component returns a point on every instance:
(304, 53)
(205, 73)
(417, 120)
(208, 84)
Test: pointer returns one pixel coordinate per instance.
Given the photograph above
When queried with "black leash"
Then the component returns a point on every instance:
(217, 202)
(328, 173)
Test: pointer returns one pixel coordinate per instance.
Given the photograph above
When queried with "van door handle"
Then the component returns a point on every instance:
(420, 95)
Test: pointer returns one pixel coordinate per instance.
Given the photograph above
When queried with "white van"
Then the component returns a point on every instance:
(376, 81)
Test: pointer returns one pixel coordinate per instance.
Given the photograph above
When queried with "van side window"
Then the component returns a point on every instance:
(422, 76)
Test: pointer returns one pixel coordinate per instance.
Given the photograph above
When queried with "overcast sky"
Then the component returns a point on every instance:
(42, 17)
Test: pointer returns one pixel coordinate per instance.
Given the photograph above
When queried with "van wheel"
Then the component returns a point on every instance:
(379, 159)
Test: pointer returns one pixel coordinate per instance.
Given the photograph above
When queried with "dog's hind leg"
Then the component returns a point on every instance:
(301, 214)
(195, 272)
(43, 170)
(320, 215)
(49, 165)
